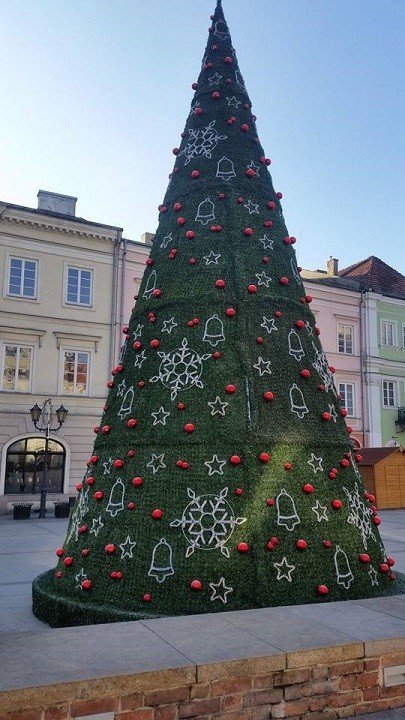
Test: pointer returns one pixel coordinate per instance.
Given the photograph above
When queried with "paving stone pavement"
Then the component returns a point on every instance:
(27, 548)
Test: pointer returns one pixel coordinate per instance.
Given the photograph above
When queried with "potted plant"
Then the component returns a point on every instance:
(61, 509)
(22, 510)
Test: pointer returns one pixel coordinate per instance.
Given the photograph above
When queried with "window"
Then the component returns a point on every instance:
(345, 338)
(22, 281)
(79, 286)
(389, 393)
(16, 375)
(75, 380)
(25, 464)
(347, 398)
(387, 333)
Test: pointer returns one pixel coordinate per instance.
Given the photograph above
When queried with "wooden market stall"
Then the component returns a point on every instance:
(383, 473)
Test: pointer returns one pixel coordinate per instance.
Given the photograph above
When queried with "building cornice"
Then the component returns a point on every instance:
(29, 217)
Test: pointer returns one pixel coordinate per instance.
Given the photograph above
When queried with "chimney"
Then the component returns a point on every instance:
(332, 266)
(57, 203)
(147, 238)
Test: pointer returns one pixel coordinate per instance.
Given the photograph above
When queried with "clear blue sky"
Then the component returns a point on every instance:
(95, 93)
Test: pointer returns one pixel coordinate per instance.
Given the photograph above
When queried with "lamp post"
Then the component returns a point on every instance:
(42, 419)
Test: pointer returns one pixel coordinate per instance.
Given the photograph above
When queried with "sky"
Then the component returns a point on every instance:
(94, 95)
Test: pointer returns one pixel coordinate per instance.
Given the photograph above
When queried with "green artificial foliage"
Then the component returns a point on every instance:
(230, 468)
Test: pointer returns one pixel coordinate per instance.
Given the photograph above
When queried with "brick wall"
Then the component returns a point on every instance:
(321, 684)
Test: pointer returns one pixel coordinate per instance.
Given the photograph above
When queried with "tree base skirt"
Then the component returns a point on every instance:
(59, 611)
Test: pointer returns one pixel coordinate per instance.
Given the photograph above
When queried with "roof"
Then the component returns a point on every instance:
(371, 456)
(374, 274)
(344, 283)
(61, 216)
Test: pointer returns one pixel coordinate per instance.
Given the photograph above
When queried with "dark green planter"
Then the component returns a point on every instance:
(62, 509)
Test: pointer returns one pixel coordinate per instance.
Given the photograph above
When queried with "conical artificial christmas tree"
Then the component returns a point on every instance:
(222, 475)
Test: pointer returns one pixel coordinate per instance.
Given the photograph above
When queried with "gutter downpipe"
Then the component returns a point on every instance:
(116, 246)
(122, 283)
(362, 363)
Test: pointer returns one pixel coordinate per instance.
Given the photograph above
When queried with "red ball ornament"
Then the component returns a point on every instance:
(265, 260)
(259, 340)
(337, 504)
(264, 457)
(131, 423)
(358, 458)
(384, 568)
(98, 495)
(244, 127)
(118, 463)
(240, 200)
(96, 429)
(110, 549)
(239, 492)
(288, 466)
(85, 552)
(156, 293)
(250, 173)
(131, 453)
(284, 280)
(181, 406)
(79, 487)
(220, 284)
(189, 427)
(90, 480)
(326, 416)
(252, 288)
(176, 151)
(390, 561)
(301, 544)
(181, 221)
(300, 324)
(230, 389)
(278, 314)
(154, 343)
(147, 597)
(198, 111)
(192, 261)
(110, 384)
(242, 547)
(344, 463)
(68, 561)
(248, 232)
(322, 590)
(308, 488)
(228, 60)
(327, 544)
(376, 520)
(177, 207)
(271, 205)
(157, 514)
(94, 459)
(141, 383)
(279, 195)
(270, 502)
(270, 545)
(149, 262)
(60, 552)
(196, 585)
(216, 355)
(190, 234)
(194, 85)
(116, 575)
(268, 396)
(235, 460)
(137, 345)
(131, 505)
(364, 558)
(195, 174)
(230, 312)
(137, 481)
(86, 584)
(82, 529)
(216, 95)
(305, 373)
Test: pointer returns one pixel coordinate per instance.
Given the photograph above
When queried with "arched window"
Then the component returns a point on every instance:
(25, 466)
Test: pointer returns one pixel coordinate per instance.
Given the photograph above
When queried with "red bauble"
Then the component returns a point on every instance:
(216, 355)
(79, 487)
(239, 491)
(278, 314)
(287, 241)
(230, 389)
(220, 284)
(264, 457)
(196, 585)
(242, 547)
(116, 575)
(230, 312)
(149, 262)
(268, 396)
(94, 459)
(131, 453)
(265, 260)
(284, 280)
(216, 95)
(131, 505)
(110, 384)
(141, 383)
(390, 561)
(60, 552)
(195, 174)
(259, 340)
(326, 416)
(110, 549)
(58, 574)
(305, 373)
(118, 463)
(271, 205)
(181, 406)
(147, 597)
(96, 429)
(288, 466)
(154, 343)
(189, 427)
(301, 544)
(82, 529)
(279, 195)
(190, 234)
(157, 293)
(248, 232)
(131, 423)
(235, 460)
(376, 520)
(177, 207)
(384, 568)
(244, 127)
(181, 221)
(300, 324)
(86, 584)
(270, 502)
(364, 558)
(308, 488)
(250, 173)
(137, 481)
(337, 504)
(68, 561)
(358, 458)
(198, 111)
(176, 150)
(137, 345)
(252, 288)
(327, 544)
(268, 224)
(90, 480)
(344, 463)
(157, 514)
(322, 590)
(85, 552)
(270, 545)
(240, 200)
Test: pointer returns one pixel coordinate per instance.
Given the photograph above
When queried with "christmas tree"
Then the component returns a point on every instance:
(222, 474)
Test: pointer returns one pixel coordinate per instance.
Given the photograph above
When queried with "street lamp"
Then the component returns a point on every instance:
(42, 419)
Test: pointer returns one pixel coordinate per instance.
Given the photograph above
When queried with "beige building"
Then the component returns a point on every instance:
(63, 280)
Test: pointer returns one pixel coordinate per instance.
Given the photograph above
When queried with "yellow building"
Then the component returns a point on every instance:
(62, 285)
